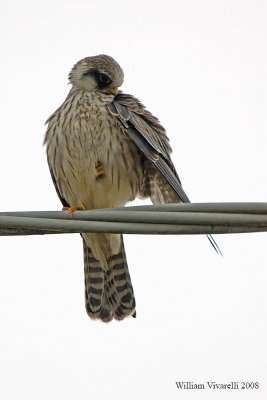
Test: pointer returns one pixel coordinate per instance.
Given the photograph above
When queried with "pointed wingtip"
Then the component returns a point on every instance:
(214, 245)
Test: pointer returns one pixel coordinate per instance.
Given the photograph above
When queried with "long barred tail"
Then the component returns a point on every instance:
(108, 293)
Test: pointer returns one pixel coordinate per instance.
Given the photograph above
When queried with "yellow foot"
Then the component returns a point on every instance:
(99, 169)
(70, 210)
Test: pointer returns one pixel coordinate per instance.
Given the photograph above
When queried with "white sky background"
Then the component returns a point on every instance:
(200, 66)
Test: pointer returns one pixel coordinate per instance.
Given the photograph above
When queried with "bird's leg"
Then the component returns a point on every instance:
(70, 210)
(99, 169)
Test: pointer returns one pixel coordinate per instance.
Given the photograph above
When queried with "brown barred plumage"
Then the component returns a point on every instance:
(108, 292)
(104, 149)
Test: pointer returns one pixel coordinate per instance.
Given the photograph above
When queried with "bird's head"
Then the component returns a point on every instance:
(100, 73)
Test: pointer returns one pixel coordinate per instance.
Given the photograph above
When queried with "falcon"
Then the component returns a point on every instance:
(104, 149)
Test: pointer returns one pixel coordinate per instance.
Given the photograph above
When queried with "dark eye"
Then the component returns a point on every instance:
(103, 78)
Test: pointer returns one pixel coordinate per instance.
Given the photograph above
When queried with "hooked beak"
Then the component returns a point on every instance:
(114, 90)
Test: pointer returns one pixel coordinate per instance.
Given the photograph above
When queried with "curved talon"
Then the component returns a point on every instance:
(99, 170)
(70, 210)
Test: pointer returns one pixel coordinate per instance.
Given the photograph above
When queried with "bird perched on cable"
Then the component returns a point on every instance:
(105, 149)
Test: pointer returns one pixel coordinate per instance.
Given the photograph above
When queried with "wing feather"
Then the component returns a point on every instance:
(150, 137)
(63, 201)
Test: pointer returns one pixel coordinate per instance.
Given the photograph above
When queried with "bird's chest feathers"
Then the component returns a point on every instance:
(99, 159)
(96, 137)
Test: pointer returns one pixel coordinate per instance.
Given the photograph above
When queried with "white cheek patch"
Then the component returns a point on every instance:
(87, 82)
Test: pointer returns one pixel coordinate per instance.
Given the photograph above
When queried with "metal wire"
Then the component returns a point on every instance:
(171, 219)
